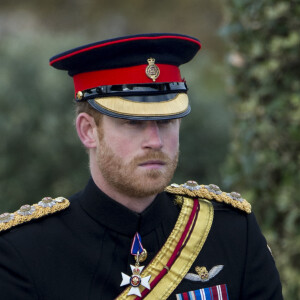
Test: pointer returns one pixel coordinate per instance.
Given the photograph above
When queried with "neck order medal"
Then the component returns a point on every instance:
(136, 280)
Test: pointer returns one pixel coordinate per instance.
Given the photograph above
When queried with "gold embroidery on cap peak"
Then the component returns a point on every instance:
(119, 105)
(152, 70)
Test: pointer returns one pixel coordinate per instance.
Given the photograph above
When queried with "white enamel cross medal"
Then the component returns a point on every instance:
(136, 280)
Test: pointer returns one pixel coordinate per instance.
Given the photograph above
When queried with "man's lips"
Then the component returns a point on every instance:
(152, 163)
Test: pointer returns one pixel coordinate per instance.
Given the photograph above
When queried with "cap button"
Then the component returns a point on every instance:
(79, 95)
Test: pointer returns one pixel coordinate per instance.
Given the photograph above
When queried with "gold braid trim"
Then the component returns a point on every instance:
(209, 192)
(188, 253)
(27, 213)
(164, 254)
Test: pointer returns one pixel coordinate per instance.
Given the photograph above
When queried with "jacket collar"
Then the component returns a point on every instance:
(119, 218)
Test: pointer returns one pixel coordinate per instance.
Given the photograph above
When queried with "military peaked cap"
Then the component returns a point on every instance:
(132, 77)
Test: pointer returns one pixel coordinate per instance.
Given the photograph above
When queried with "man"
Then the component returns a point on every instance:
(123, 236)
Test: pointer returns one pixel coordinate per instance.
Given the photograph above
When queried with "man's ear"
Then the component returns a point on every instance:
(87, 130)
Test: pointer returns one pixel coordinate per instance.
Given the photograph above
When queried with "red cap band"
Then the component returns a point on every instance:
(129, 75)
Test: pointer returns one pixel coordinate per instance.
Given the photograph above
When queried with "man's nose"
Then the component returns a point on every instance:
(152, 136)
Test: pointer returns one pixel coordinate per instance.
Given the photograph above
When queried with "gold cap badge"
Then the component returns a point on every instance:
(152, 70)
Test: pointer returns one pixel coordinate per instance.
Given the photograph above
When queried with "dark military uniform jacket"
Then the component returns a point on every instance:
(80, 252)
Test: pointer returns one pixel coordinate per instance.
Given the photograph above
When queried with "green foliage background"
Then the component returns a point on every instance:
(41, 154)
(242, 134)
(264, 159)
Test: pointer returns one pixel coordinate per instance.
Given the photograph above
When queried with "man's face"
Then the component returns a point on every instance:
(137, 158)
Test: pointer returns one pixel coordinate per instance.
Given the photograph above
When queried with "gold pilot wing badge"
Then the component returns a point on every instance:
(152, 70)
(203, 275)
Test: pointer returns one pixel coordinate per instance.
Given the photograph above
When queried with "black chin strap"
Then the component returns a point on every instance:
(124, 90)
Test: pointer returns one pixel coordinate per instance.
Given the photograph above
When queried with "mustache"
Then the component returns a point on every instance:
(157, 155)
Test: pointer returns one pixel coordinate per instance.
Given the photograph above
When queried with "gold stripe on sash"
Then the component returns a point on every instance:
(189, 253)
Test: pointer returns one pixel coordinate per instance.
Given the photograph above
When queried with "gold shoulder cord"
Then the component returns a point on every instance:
(27, 213)
(209, 192)
(188, 254)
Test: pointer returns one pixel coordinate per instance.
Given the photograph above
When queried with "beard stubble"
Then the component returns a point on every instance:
(129, 178)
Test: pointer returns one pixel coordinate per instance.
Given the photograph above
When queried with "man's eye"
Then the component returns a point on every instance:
(162, 122)
(133, 122)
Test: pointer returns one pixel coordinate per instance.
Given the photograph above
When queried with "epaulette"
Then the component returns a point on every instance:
(209, 192)
(27, 212)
